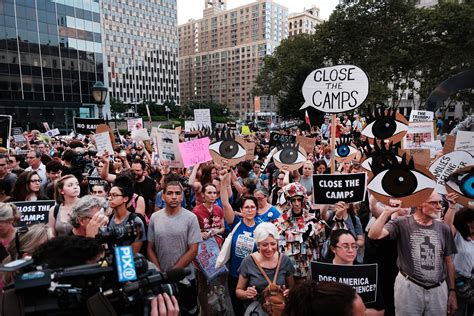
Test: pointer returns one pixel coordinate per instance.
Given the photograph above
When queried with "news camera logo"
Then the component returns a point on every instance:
(125, 264)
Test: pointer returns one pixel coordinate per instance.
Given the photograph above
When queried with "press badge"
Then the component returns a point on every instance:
(125, 264)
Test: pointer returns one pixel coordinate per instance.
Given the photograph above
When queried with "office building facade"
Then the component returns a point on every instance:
(50, 57)
(141, 45)
(304, 22)
(222, 54)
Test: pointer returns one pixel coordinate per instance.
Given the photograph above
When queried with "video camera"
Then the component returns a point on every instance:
(121, 288)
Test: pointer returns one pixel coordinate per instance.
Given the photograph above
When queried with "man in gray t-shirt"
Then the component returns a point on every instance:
(425, 247)
(173, 238)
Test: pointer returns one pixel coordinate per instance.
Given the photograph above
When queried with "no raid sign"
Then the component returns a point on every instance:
(336, 89)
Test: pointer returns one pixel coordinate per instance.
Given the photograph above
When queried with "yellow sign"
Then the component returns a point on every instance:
(245, 130)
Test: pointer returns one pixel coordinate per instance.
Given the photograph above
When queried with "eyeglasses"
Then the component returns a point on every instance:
(299, 199)
(435, 203)
(113, 195)
(35, 181)
(348, 247)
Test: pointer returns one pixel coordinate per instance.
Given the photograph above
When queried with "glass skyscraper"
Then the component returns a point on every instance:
(50, 57)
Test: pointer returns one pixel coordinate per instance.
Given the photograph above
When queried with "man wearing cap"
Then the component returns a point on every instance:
(425, 246)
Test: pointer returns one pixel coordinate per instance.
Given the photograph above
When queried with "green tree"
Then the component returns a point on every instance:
(117, 106)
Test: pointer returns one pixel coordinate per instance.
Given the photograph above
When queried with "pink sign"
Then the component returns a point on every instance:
(195, 151)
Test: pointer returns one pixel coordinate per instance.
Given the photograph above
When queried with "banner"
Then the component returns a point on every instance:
(34, 212)
(86, 126)
(332, 188)
(361, 277)
(168, 147)
(206, 258)
(278, 139)
(418, 133)
(195, 151)
(134, 124)
(202, 118)
(5, 130)
(421, 116)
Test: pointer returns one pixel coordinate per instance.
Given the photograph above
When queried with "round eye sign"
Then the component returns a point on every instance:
(336, 89)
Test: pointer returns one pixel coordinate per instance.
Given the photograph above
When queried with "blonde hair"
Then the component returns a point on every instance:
(26, 243)
(9, 211)
(263, 230)
(58, 187)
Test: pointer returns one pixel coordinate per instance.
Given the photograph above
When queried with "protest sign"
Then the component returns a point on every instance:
(361, 277)
(249, 148)
(335, 89)
(245, 130)
(195, 151)
(202, 118)
(103, 143)
(46, 126)
(434, 147)
(449, 144)
(421, 116)
(86, 126)
(418, 133)
(461, 182)
(227, 147)
(306, 142)
(168, 149)
(52, 132)
(464, 141)
(34, 212)
(332, 188)
(445, 165)
(278, 139)
(18, 136)
(190, 126)
(134, 124)
(206, 258)
(91, 181)
(420, 156)
(5, 130)
(140, 135)
(232, 125)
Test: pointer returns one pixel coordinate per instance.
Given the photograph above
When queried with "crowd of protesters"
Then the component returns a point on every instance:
(271, 213)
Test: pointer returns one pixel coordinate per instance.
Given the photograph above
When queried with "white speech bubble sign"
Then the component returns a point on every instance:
(336, 89)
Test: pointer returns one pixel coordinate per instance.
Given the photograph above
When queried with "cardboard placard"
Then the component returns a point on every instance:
(332, 188)
(306, 142)
(461, 182)
(134, 124)
(249, 148)
(140, 135)
(168, 147)
(52, 132)
(34, 212)
(278, 139)
(195, 151)
(228, 147)
(86, 126)
(445, 165)
(91, 181)
(202, 118)
(335, 89)
(17, 133)
(421, 116)
(421, 156)
(232, 125)
(190, 126)
(418, 133)
(206, 258)
(389, 125)
(245, 130)
(434, 147)
(361, 277)
(449, 144)
(5, 130)
(103, 143)
(464, 141)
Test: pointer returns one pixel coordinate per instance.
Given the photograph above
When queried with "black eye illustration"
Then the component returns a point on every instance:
(386, 124)
(226, 146)
(344, 149)
(401, 180)
(380, 151)
(289, 154)
(462, 181)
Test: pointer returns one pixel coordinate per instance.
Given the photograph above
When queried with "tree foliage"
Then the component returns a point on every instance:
(394, 42)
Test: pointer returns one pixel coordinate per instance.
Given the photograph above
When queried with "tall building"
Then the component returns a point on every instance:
(222, 54)
(304, 22)
(141, 44)
(50, 57)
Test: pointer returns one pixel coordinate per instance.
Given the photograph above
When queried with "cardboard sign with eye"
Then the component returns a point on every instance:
(226, 147)
(462, 182)
(344, 149)
(379, 151)
(291, 155)
(388, 125)
(405, 181)
(445, 165)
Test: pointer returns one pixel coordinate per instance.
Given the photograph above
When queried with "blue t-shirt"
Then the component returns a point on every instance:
(243, 245)
(269, 216)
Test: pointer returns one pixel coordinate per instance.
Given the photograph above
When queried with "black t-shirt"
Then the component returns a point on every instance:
(146, 188)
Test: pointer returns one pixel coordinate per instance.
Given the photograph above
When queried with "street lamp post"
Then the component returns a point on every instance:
(168, 110)
(99, 93)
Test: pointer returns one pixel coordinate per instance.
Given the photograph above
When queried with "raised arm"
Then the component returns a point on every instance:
(377, 230)
(449, 216)
(229, 214)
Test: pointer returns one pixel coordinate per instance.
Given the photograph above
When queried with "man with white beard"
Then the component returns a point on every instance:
(425, 246)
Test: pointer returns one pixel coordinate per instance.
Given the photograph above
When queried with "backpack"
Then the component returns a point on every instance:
(272, 299)
(56, 211)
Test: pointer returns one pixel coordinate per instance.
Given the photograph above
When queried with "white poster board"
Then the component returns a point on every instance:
(134, 124)
(442, 167)
(190, 125)
(418, 133)
(464, 141)
(168, 147)
(421, 116)
(202, 118)
(335, 89)
(103, 143)
(140, 135)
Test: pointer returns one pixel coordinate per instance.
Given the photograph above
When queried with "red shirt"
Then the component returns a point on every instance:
(204, 217)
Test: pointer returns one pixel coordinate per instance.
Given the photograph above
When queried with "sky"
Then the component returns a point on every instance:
(192, 9)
